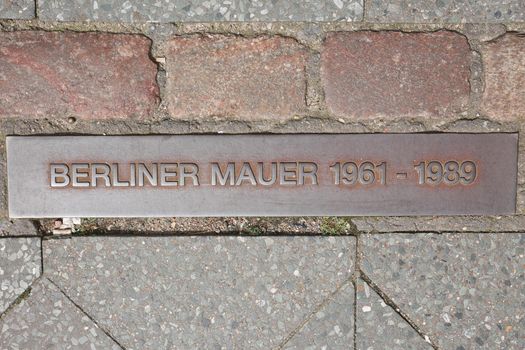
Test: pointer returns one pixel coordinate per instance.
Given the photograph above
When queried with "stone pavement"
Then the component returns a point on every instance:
(102, 67)
(359, 291)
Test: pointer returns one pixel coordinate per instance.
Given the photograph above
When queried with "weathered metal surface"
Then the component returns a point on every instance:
(257, 175)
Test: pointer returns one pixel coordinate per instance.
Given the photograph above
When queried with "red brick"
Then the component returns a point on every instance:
(504, 70)
(392, 74)
(87, 75)
(241, 78)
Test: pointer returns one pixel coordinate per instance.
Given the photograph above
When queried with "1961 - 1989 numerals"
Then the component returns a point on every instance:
(450, 172)
(431, 172)
(364, 173)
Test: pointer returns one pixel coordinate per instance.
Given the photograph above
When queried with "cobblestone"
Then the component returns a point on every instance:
(83, 75)
(504, 63)
(237, 78)
(385, 74)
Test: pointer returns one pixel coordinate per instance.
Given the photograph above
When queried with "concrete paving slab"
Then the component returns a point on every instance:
(467, 224)
(448, 11)
(17, 9)
(332, 327)
(19, 267)
(467, 291)
(46, 319)
(200, 292)
(200, 10)
(17, 228)
(379, 326)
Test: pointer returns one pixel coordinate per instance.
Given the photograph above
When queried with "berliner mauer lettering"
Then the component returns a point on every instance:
(204, 175)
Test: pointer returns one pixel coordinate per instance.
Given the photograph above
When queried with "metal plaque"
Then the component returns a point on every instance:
(257, 175)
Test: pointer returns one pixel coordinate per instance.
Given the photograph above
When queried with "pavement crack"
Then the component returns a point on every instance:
(398, 310)
(318, 308)
(106, 332)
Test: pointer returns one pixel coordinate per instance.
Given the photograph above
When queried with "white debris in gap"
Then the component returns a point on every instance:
(66, 226)
(338, 3)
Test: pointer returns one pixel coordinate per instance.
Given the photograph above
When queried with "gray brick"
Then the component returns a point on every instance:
(200, 10)
(17, 9)
(452, 11)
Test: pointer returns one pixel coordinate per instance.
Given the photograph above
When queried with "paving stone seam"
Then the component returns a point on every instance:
(428, 338)
(313, 123)
(318, 308)
(41, 256)
(354, 283)
(143, 234)
(444, 232)
(359, 273)
(19, 298)
(106, 332)
(19, 236)
(186, 234)
(37, 9)
(291, 225)
(356, 275)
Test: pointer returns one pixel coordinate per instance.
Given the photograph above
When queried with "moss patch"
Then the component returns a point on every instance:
(333, 226)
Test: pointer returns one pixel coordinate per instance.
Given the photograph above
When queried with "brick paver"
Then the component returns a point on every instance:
(234, 77)
(394, 74)
(504, 63)
(84, 75)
